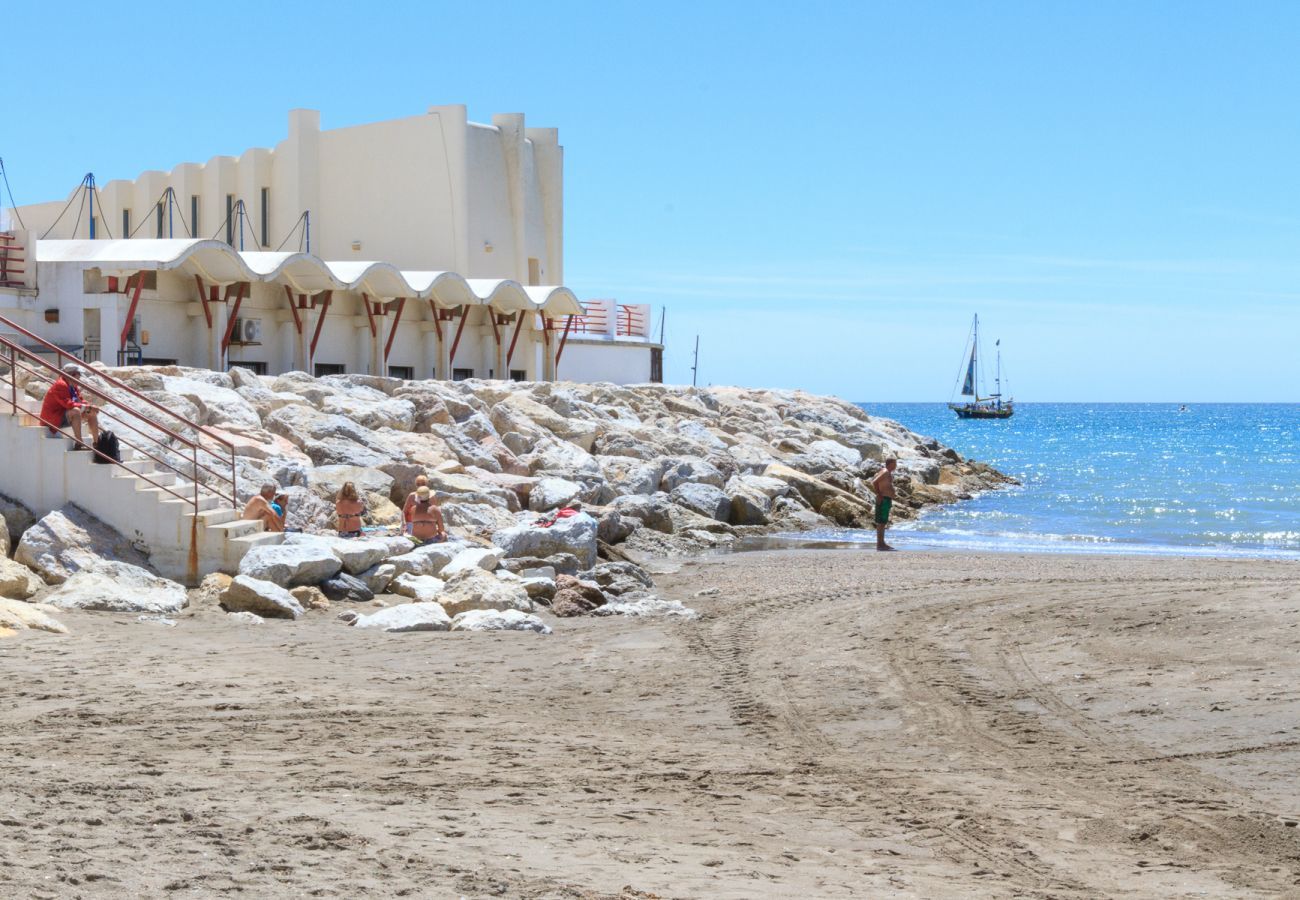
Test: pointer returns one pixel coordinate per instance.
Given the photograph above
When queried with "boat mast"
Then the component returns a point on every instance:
(974, 351)
(998, 380)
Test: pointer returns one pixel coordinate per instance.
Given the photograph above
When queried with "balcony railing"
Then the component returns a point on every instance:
(609, 320)
(13, 264)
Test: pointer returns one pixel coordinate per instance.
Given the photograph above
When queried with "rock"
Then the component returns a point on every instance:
(344, 588)
(327, 481)
(691, 471)
(575, 535)
(748, 507)
(421, 588)
(407, 617)
(476, 589)
(619, 577)
(645, 604)
(119, 587)
(540, 589)
(814, 490)
(14, 520)
(705, 499)
(311, 597)
(291, 564)
(838, 455)
(244, 617)
(210, 589)
(427, 560)
(17, 615)
(494, 620)
(217, 405)
(485, 558)
(70, 540)
(847, 512)
(553, 493)
(356, 554)
(17, 582)
(269, 600)
(378, 578)
(536, 572)
(654, 512)
(612, 528)
(587, 592)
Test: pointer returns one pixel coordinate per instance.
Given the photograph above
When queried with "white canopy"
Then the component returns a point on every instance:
(218, 262)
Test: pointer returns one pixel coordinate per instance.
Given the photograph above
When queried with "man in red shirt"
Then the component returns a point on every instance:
(64, 406)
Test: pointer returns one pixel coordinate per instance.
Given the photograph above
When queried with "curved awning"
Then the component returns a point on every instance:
(219, 263)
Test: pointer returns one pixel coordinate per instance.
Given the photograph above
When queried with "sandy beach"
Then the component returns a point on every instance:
(835, 724)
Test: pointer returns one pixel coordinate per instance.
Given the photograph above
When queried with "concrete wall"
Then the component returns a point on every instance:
(618, 362)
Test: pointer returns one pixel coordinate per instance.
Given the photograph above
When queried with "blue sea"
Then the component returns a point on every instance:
(1216, 480)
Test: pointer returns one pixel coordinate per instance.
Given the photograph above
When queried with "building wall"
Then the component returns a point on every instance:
(428, 192)
(618, 362)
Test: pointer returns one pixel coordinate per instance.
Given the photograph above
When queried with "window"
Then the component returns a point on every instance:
(518, 375)
(406, 373)
(158, 216)
(230, 219)
(126, 223)
(657, 365)
(194, 215)
(266, 217)
(257, 368)
(461, 374)
(156, 361)
(534, 270)
(323, 369)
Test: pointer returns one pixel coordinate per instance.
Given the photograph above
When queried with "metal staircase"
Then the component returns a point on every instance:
(173, 493)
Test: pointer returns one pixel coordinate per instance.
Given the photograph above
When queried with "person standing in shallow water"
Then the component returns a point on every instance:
(883, 485)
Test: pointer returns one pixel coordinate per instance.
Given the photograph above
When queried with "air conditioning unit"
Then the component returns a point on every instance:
(247, 332)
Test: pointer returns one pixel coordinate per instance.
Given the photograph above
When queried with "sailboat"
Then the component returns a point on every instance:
(990, 406)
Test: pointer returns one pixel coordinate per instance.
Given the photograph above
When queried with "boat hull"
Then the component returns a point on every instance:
(972, 411)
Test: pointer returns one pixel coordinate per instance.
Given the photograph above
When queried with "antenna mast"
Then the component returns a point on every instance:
(695, 368)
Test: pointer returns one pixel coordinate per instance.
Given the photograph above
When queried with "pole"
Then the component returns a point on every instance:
(695, 368)
(90, 181)
(171, 198)
(307, 215)
(663, 317)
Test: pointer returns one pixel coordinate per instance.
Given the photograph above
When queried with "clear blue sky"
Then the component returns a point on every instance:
(824, 192)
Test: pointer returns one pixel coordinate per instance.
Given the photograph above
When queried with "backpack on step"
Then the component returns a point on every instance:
(106, 448)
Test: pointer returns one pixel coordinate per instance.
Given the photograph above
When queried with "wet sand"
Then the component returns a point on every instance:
(835, 724)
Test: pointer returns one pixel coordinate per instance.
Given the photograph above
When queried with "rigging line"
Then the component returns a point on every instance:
(291, 233)
(180, 214)
(105, 219)
(12, 203)
(965, 358)
(153, 211)
(65, 208)
(80, 209)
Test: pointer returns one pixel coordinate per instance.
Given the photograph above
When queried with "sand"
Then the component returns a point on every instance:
(836, 724)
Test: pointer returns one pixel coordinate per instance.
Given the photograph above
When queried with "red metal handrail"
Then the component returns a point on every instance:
(631, 321)
(231, 484)
(11, 260)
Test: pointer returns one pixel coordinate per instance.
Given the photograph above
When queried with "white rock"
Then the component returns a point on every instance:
(407, 617)
(645, 605)
(422, 588)
(494, 620)
(843, 457)
(16, 580)
(291, 565)
(704, 499)
(574, 534)
(687, 471)
(552, 493)
(485, 558)
(262, 597)
(217, 405)
(18, 615)
(70, 540)
(119, 587)
(244, 617)
(430, 559)
(538, 572)
(356, 554)
(476, 589)
(378, 579)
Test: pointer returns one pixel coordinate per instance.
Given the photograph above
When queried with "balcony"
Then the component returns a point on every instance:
(611, 321)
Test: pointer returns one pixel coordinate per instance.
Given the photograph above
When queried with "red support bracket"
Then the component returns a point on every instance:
(130, 313)
(464, 317)
(437, 319)
(392, 332)
(510, 354)
(203, 298)
(293, 308)
(564, 339)
(320, 322)
(370, 314)
(234, 315)
(496, 332)
(547, 326)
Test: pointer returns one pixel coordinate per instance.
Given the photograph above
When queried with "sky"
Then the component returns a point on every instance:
(824, 193)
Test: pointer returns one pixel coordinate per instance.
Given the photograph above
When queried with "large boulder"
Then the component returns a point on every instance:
(17, 616)
(427, 560)
(704, 499)
(326, 481)
(14, 520)
(816, 491)
(485, 558)
(654, 512)
(247, 594)
(356, 554)
(421, 588)
(344, 588)
(494, 620)
(577, 431)
(572, 534)
(688, 471)
(476, 589)
(70, 540)
(216, 405)
(552, 493)
(17, 581)
(407, 617)
(290, 565)
(119, 587)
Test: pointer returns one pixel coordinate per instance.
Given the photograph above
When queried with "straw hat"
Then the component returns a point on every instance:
(422, 492)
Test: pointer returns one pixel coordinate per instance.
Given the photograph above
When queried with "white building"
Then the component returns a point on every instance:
(428, 246)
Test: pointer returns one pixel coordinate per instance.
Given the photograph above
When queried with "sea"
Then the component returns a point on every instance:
(1215, 479)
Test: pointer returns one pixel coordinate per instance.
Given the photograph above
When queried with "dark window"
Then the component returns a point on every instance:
(194, 215)
(158, 218)
(406, 373)
(126, 223)
(323, 369)
(257, 368)
(518, 375)
(156, 361)
(266, 217)
(461, 374)
(230, 219)
(657, 365)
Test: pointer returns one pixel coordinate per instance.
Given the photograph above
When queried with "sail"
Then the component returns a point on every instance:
(968, 386)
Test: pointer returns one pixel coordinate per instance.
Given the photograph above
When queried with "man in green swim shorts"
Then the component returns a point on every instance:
(883, 485)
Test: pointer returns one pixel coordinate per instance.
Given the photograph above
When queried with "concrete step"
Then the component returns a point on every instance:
(236, 528)
(261, 539)
(210, 518)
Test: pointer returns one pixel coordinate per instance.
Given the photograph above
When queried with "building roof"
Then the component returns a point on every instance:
(219, 263)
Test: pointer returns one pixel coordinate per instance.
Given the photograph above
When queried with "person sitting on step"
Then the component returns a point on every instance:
(262, 508)
(426, 518)
(348, 510)
(64, 406)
